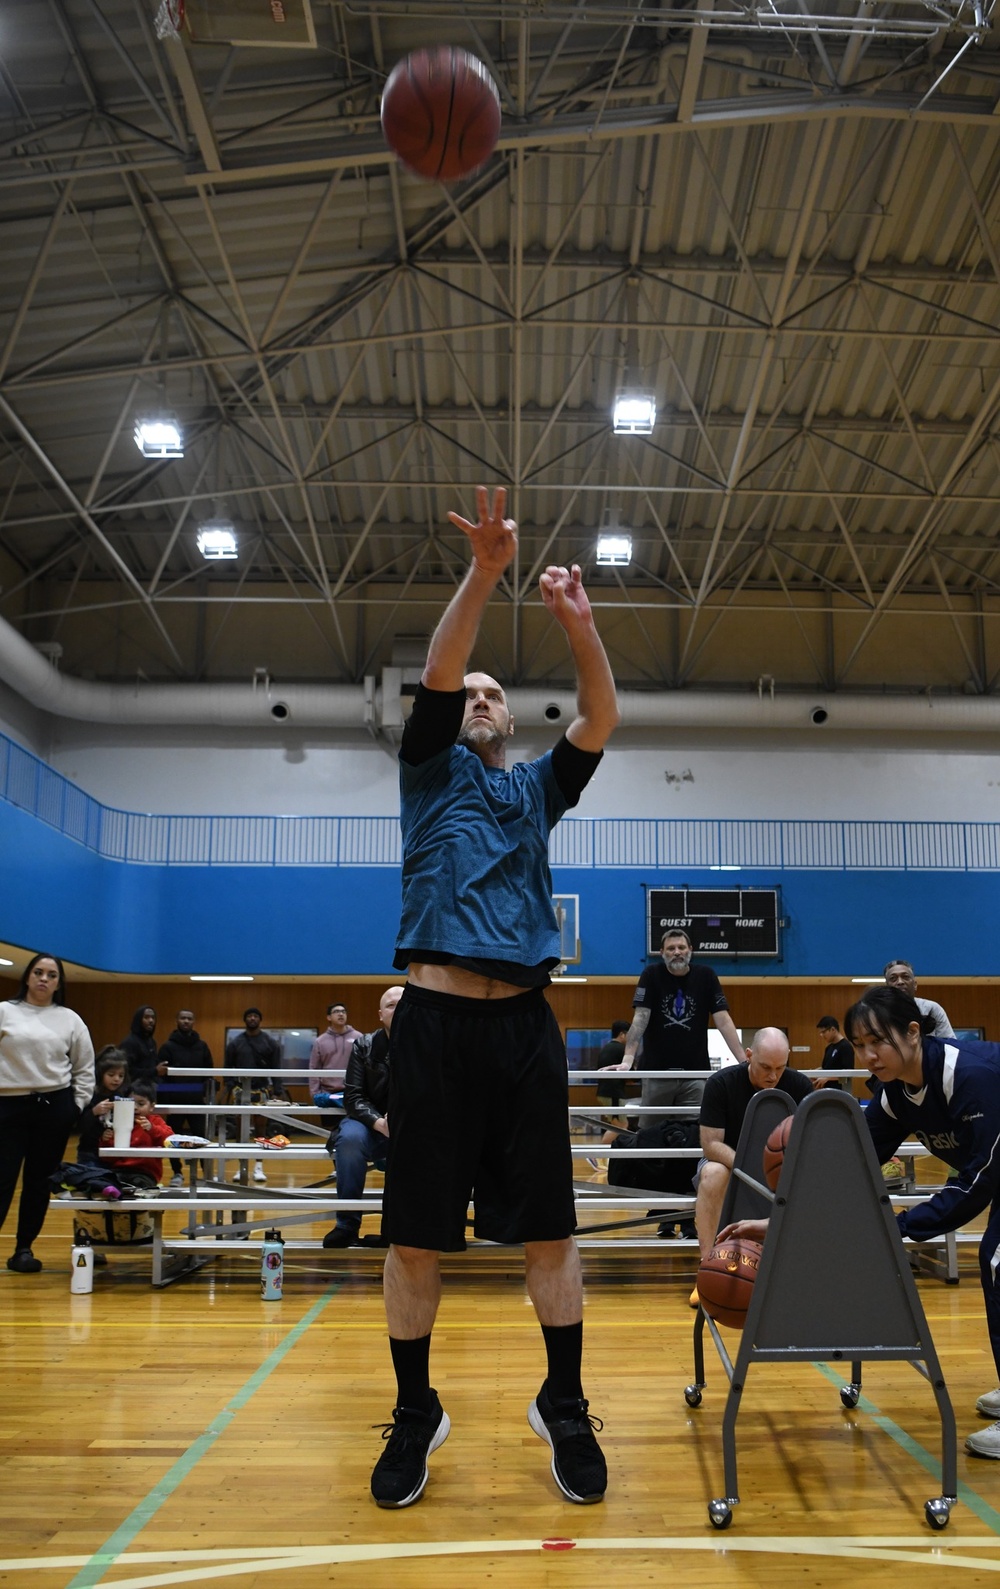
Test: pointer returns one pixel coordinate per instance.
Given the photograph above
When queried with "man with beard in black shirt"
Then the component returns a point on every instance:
(253, 1049)
(183, 1048)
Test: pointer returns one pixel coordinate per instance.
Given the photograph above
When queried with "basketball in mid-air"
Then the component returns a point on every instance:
(725, 1280)
(774, 1151)
(441, 113)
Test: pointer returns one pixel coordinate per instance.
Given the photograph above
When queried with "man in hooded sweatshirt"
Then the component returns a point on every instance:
(140, 1048)
(183, 1049)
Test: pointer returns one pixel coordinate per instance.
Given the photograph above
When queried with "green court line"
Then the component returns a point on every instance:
(108, 1553)
(982, 1509)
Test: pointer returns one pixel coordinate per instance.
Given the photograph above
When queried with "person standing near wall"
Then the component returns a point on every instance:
(838, 1053)
(899, 974)
(254, 1050)
(183, 1050)
(139, 1047)
(330, 1052)
(46, 1079)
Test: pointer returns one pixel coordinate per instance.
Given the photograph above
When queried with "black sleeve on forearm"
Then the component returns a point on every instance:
(433, 724)
(573, 768)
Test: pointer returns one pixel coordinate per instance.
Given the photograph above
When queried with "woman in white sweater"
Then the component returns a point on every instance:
(46, 1077)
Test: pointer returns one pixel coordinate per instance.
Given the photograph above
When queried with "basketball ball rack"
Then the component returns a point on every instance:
(834, 1282)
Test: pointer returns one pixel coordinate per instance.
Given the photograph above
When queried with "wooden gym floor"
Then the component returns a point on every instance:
(197, 1434)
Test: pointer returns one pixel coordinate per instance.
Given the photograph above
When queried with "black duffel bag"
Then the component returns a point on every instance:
(657, 1175)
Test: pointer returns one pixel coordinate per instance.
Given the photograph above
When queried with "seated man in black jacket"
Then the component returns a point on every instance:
(362, 1138)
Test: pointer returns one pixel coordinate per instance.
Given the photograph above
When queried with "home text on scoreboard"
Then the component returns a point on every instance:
(719, 921)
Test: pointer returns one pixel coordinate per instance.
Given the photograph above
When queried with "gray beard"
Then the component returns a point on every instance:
(486, 737)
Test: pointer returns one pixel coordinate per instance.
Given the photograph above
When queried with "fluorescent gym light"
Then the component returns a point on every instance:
(633, 415)
(5, 962)
(614, 550)
(868, 980)
(220, 979)
(217, 540)
(159, 438)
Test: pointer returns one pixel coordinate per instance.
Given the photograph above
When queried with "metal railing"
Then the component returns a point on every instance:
(643, 843)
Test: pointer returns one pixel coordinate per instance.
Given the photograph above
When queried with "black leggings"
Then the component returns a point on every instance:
(34, 1130)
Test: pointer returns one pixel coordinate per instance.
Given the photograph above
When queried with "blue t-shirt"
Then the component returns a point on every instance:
(956, 1114)
(476, 880)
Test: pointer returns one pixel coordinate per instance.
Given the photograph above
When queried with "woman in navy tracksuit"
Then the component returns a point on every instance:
(947, 1095)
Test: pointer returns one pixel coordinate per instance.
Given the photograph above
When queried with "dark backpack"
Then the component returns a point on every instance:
(657, 1175)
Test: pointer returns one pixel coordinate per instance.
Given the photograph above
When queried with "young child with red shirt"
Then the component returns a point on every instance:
(149, 1131)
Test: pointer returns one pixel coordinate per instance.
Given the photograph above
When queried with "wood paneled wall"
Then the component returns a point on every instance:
(107, 1007)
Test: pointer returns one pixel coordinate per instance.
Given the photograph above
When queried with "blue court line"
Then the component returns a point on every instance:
(126, 1532)
(982, 1509)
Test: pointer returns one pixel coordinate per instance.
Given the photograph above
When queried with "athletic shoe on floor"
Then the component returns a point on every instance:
(339, 1237)
(686, 1230)
(258, 1172)
(578, 1464)
(985, 1442)
(24, 1262)
(989, 1405)
(177, 1180)
(401, 1471)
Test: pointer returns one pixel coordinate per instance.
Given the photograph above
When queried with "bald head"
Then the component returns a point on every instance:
(768, 1056)
(387, 1005)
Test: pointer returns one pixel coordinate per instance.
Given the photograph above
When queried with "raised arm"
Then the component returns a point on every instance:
(494, 543)
(596, 701)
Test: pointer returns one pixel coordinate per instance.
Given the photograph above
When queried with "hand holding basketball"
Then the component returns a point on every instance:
(725, 1280)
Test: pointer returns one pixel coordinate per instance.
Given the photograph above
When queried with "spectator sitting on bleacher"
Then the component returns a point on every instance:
(149, 1131)
(362, 1138)
(725, 1102)
(111, 1071)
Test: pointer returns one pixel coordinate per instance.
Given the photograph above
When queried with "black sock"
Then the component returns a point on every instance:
(564, 1346)
(411, 1361)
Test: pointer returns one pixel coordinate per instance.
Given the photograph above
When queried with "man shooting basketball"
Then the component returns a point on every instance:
(478, 938)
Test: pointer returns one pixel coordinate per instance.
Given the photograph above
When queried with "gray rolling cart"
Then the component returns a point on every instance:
(834, 1283)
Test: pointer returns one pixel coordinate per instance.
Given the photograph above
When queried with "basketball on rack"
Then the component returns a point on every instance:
(441, 113)
(774, 1151)
(725, 1280)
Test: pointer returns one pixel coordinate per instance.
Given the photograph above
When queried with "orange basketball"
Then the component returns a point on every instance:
(441, 113)
(774, 1151)
(725, 1280)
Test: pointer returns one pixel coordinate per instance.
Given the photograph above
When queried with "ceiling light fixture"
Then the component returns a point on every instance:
(159, 436)
(217, 540)
(634, 414)
(614, 550)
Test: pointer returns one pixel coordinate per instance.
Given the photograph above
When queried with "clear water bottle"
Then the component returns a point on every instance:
(272, 1266)
(81, 1273)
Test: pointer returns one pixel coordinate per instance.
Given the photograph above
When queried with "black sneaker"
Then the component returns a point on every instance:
(401, 1471)
(24, 1262)
(578, 1464)
(339, 1236)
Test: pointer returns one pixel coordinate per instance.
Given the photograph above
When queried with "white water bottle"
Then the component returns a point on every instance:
(272, 1266)
(81, 1274)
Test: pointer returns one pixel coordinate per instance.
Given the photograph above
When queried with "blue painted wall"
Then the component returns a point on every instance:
(119, 916)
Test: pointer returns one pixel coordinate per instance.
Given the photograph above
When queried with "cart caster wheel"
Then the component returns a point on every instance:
(720, 1513)
(849, 1395)
(692, 1395)
(938, 1511)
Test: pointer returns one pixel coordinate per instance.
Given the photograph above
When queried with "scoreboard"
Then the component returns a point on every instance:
(719, 921)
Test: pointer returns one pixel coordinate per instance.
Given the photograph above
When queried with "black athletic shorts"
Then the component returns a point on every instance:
(478, 1107)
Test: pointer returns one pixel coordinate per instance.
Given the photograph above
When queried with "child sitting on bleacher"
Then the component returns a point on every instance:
(149, 1131)
(88, 1175)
